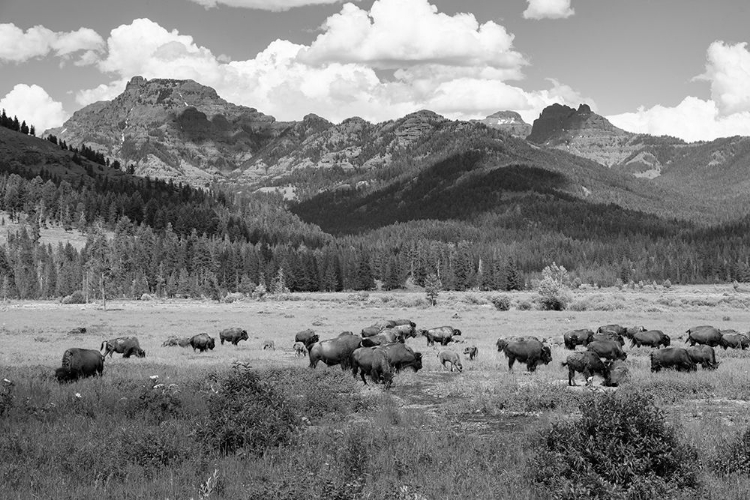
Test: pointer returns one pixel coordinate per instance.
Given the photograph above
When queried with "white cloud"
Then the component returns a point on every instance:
(727, 113)
(38, 41)
(402, 33)
(548, 9)
(101, 93)
(32, 104)
(272, 5)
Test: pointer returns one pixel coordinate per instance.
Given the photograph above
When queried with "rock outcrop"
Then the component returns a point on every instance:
(509, 122)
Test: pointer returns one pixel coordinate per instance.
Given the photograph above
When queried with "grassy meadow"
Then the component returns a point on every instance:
(243, 422)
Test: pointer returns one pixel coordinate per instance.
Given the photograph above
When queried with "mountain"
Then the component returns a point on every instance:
(507, 121)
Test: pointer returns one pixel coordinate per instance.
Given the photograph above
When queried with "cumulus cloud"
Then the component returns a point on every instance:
(548, 9)
(272, 5)
(399, 33)
(32, 104)
(19, 46)
(463, 79)
(727, 113)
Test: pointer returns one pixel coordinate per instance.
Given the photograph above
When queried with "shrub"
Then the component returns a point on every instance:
(620, 448)
(524, 305)
(246, 415)
(501, 302)
(76, 297)
(553, 290)
(734, 457)
(667, 284)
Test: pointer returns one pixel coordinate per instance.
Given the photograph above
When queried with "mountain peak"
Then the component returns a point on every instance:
(509, 122)
(558, 123)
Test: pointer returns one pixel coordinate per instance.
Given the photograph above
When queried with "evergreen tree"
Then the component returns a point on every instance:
(432, 287)
(513, 279)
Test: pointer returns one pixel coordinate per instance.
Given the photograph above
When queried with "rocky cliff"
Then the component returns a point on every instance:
(508, 121)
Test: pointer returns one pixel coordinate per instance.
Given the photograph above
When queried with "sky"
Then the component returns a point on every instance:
(662, 67)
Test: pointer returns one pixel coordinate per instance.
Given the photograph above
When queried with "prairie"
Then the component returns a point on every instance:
(435, 434)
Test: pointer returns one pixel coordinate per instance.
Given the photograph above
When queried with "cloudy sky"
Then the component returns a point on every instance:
(676, 67)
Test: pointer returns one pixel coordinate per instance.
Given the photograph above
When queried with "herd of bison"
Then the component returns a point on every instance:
(380, 350)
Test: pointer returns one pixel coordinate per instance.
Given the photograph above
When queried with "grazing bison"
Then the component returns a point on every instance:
(471, 351)
(618, 373)
(587, 363)
(706, 335)
(616, 329)
(400, 356)
(299, 349)
(450, 357)
(202, 342)
(734, 339)
(703, 355)
(577, 337)
(78, 330)
(170, 342)
(528, 350)
(672, 357)
(334, 351)
(127, 346)
(373, 362)
(650, 338)
(442, 334)
(184, 341)
(616, 337)
(370, 331)
(269, 344)
(233, 335)
(307, 337)
(79, 363)
(608, 349)
(632, 330)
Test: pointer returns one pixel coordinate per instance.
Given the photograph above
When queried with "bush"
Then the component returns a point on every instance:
(247, 414)
(501, 302)
(524, 305)
(620, 448)
(667, 284)
(76, 297)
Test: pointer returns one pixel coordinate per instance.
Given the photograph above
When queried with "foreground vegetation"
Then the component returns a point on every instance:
(243, 422)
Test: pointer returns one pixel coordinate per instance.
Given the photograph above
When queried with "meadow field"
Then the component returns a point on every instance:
(243, 422)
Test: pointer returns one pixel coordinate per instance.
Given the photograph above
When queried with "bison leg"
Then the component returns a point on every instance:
(571, 376)
(511, 360)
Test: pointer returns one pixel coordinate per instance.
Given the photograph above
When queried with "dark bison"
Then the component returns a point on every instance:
(471, 351)
(334, 351)
(233, 335)
(577, 337)
(587, 363)
(450, 357)
(616, 337)
(202, 342)
(672, 357)
(706, 335)
(79, 363)
(703, 355)
(650, 338)
(608, 349)
(307, 337)
(528, 350)
(616, 329)
(401, 356)
(441, 334)
(373, 362)
(734, 339)
(618, 373)
(127, 346)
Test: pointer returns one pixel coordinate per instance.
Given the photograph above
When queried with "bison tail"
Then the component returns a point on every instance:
(104, 343)
(564, 364)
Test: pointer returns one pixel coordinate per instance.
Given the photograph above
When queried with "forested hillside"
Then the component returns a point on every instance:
(473, 217)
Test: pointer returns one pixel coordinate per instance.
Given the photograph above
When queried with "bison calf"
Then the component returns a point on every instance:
(450, 357)
(269, 344)
(588, 363)
(299, 349)
(471, 351)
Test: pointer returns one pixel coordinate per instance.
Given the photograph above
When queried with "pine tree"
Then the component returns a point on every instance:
(512, 276)
(432, 287)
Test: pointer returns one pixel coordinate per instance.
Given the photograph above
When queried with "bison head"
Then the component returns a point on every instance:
(546, 355)
(501, 344)
(63, 375)
(417, 361)
(243, 335)
(211, 343)
(456, 332)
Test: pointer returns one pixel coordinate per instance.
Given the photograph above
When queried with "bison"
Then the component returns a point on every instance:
(650, 338)
(616, 337)
(202, 342)
(577, 337)
(528, 350)
(616, 329)
(307, 337)
(608, 349)
(588, 363)
(299, 349)
(471, 351)
(703, 355)
(618, 373)
(442, 334)
(672, 357)
(127, 346)
(373, 362)
(334, 351)
(400, 356)
(79, 363)
(387, 336)
(450, 357)
(269, 344)
(734, 339)
(706, 335)
(632, 330)
(233, 335)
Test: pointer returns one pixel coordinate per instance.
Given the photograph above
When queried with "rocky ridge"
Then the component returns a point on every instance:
(508, 121)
